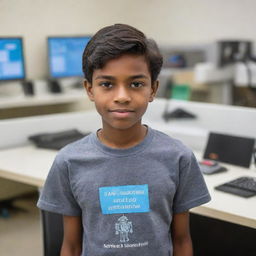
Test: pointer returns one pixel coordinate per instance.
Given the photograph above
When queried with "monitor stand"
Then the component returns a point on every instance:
(28, 88)
(54, 86)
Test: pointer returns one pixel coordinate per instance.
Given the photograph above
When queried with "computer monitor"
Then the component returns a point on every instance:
(12, 65)
(65, 56)
(230, 149)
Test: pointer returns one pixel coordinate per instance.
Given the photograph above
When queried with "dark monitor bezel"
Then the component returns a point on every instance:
(48, 51)
(23, 59)
(233, 145)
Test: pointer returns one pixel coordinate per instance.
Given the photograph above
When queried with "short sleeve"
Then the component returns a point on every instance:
(56, 195)
(191, 190)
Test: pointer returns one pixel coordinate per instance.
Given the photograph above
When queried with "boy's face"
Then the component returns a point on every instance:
(121, 91)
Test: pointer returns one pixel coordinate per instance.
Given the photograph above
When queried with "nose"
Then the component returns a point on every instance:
(122, 95)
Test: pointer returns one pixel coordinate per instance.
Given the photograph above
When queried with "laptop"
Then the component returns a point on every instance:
(230, 149)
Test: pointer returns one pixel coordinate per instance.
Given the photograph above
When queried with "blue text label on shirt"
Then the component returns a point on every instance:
(124, 199)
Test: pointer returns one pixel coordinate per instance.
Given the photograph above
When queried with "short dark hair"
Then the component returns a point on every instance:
(112, 42)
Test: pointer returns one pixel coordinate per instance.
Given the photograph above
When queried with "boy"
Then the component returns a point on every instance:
(125, 189)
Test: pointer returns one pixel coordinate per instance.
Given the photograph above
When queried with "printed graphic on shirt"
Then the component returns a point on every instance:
(124, 199)
(124, 229)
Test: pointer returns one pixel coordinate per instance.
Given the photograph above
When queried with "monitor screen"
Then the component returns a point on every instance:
(11, 59)
(65, 56)
(230, 149)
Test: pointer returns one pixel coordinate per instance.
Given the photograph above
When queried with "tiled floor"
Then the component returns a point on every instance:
(20, 234)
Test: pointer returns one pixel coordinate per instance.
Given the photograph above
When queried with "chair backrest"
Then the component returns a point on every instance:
(52, 233)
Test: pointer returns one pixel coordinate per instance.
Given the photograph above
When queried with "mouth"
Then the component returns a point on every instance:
(121, 110)
(121, 113)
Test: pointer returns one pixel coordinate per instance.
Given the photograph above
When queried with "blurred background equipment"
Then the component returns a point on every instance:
(178, 67)
(65, 61)
(12, 65)
(230, 66)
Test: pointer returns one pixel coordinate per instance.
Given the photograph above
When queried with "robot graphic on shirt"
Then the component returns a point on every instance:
(123, 227)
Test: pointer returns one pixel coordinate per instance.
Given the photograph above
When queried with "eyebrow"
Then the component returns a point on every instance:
(139, 76)
(113, 78)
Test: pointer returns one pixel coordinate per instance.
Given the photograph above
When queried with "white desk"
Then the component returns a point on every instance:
(26, 164)
(228, 207)
(30, 165)
(42, 100)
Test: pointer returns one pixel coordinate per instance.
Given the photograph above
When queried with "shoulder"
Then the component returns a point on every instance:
(74, 149)
(169, 146)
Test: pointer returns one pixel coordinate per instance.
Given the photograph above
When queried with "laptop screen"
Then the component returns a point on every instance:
(230, 149)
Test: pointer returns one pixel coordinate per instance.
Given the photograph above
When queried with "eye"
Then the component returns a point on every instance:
(106, 84)
(136, 84)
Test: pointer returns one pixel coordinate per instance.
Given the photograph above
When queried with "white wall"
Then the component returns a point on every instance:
(168, 21)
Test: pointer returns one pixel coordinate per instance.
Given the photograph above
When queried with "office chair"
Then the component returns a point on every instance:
(52, 233)
(213, 237)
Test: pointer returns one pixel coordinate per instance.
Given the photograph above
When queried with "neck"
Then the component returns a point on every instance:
(122, 138)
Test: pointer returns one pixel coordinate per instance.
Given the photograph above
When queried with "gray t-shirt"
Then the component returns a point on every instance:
(126, 197)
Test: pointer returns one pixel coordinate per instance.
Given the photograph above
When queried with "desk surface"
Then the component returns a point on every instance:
(40, 100)
(30, 165)
(26, 164)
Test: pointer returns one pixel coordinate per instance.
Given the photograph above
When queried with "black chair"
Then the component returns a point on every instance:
(213, 237)
(52, 233)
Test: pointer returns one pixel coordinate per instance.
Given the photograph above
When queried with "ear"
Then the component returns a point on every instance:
(88, 88)
(154, 88)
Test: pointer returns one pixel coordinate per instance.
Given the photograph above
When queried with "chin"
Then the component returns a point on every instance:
(122, 125)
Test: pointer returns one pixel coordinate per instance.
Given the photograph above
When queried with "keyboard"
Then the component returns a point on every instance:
(242, 186)
(56, 140)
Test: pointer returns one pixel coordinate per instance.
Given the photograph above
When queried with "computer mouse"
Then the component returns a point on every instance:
(211, 167)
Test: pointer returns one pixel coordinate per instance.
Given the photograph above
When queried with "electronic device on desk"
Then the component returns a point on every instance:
(56, 140)
(211, 167)
(237, 151)
(243, 186)
(178, 113)
(12, 68)
(65, 59)
(231, 149)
